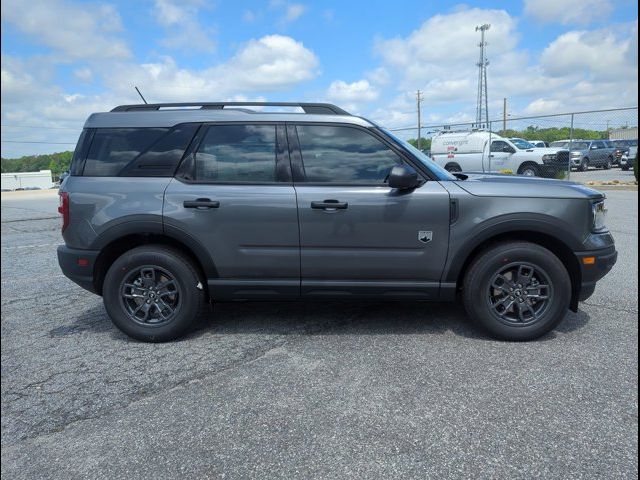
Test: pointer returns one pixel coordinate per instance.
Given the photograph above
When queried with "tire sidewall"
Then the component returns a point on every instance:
(482, 272)
(184, 275)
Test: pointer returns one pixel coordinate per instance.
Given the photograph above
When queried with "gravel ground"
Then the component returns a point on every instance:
(322, 390)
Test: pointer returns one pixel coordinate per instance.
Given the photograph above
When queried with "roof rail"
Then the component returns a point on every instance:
(315, 108)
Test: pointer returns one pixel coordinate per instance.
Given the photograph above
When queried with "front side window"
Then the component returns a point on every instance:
(237, 153)
(344, 155)
(498, 146)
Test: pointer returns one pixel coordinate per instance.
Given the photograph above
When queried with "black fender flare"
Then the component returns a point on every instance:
(153, 225)
(505, 224)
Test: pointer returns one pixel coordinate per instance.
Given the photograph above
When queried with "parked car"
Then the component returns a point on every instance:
(166, 208)
(533, 143)
(624, 148)
(591, 153)
(482, 151)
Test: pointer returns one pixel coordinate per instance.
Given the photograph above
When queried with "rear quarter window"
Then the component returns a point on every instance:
(136, 152)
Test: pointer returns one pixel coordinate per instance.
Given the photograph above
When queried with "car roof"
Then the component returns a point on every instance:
(168, 115)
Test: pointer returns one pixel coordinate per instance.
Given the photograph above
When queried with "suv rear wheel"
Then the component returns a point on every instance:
(517, 291)
(153, 293)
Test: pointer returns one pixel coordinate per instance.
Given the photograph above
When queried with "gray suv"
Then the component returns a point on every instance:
(168, 207)
(592, 153)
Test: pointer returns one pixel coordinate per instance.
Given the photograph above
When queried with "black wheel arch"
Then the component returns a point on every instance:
(548, 234)
(128, 235)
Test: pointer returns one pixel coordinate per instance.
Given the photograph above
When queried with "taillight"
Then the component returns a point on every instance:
(63, 209)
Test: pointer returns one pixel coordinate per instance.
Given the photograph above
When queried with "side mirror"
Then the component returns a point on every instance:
(403, 177)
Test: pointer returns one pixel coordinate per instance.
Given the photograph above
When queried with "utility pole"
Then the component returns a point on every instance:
(419, 99)
(482, 106)
(504, 116)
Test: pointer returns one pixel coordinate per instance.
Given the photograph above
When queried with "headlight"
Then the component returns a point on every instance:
(599, 216)
(548, 156)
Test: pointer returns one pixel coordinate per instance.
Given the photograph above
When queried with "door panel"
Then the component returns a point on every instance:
(252, 236)
(234, 196)
(373, 246)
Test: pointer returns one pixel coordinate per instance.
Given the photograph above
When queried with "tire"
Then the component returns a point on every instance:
(529, 170)
(153, 281)
(584, 165)
(608, 164)
(626, 169)
(516, 323)
(452, 167)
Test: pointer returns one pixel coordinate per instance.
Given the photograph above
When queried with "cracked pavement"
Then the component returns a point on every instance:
(309, 390)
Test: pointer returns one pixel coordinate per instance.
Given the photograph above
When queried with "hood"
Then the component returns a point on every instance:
(515, 186)
(550, 150)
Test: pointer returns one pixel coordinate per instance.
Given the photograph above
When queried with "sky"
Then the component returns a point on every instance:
(65, 59)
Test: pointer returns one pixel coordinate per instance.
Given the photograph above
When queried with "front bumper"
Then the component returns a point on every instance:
(78, 265)
(594, 264)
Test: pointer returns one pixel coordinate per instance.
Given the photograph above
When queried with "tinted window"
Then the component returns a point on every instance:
(162, 158)
(498, 146)
(237, 153)
(80, 153)
(113, 148)
(336, 154)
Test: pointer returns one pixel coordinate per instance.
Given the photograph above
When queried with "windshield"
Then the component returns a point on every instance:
(440, 172)
(522, 144)
(559, 144)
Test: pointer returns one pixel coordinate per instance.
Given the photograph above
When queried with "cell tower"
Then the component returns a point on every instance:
(482, 107)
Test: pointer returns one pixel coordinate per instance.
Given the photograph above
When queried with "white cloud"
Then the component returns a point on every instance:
(360, 91)
(600, 54)
(568, 12)
(447, 41)
(84, 74)
(87, 31)
(290, 11)
(184, 30)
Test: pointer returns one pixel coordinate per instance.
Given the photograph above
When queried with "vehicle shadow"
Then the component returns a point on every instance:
(314, 318)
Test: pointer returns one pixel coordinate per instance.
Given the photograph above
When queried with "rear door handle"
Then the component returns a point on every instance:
(330, 205)
(201, 203)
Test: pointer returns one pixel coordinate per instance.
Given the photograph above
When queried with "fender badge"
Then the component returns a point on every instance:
(425, 236)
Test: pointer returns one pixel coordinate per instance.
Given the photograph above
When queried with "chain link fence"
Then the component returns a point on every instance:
(550, 146)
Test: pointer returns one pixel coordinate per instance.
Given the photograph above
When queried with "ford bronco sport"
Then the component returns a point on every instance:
(171, 205)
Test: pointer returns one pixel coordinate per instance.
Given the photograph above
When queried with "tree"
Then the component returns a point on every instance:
(425, 143)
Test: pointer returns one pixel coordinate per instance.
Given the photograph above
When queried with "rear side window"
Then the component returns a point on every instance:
(162, 158)
(344, 155)
(237, 153)
(112, 149)
(80, 153)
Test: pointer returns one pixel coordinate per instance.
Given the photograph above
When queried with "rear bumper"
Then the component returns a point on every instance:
(78, 265)
(602, 263)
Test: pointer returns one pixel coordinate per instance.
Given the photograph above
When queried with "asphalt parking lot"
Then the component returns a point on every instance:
(323, 390)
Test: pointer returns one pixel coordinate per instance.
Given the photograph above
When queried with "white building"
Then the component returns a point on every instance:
(630, 133)
(13, 181)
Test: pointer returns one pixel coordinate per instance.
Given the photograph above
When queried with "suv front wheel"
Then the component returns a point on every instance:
(517, 291)
(153, 293)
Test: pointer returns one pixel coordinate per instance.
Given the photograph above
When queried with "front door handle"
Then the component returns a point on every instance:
(201, 203)
(330, 205)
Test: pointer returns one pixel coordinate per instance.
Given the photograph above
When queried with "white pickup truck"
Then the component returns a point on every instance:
(483, 151)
